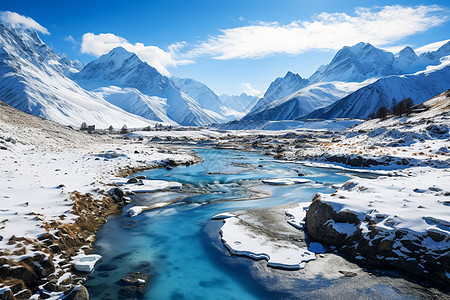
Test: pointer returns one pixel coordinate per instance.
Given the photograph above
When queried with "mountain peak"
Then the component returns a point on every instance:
(118, 54)
(290, 75)
(407, 52)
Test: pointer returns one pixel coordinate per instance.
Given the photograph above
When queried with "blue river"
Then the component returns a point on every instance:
(170, 244)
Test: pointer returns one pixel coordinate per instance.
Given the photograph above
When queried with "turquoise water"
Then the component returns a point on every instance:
(182, 265)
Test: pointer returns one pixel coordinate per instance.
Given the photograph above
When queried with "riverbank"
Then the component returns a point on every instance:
(54, 189)
(56, 200)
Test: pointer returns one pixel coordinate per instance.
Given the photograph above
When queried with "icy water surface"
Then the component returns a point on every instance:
(169, 243)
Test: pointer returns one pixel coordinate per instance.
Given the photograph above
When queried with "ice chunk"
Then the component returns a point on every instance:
(85, 263)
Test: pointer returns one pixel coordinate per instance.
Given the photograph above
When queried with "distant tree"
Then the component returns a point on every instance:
(124, 129)
(382, 113)
(408, 104)
(372, 116)
(404, 107)
(84, 126)
(110, 128)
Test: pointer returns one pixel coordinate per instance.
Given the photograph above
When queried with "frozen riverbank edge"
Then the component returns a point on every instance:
(329, 274)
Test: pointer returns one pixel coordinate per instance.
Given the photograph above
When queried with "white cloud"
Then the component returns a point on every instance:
(327, 31)
(250, 90)
(69, 38)
(156, 57)
(27, 22)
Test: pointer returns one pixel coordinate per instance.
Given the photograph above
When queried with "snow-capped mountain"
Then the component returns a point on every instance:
(133, 101)
(204, 96)
(124, 69)
(387, 92)
(32, 79)
(356, 64)
(352, 68)
(280, 88)
(228, 108)
(302, 102)
(363, 61)
(239, 105)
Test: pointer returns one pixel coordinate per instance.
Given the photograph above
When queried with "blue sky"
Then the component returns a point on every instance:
(233, 46)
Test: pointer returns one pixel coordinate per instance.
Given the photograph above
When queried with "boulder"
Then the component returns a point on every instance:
(77, 293)
(318, 214)
(133, 180)
(117, 195)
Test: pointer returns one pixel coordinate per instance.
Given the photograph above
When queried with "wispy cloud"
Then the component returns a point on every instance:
(26, 22)
(99, 44)
(250, 90)
(69, 38)
(381, 26)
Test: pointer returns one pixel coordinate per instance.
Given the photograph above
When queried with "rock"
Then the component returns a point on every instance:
(318, 214)
(7, 294)
(129, 291)
(51, 287)
(134, 285)
(436, 235)
(16, 287)
(77, 293)
(141, 177)
(55, 248)
(133, 180)
(107, 267)
(385, 246)
(116, 194)
(43, 294)
(405, 162)
(348, 273)
(28, 276)
(171, 162)
(23, 294)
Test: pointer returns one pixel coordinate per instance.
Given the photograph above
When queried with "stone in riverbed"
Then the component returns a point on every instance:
(107, 267)
(134, 285)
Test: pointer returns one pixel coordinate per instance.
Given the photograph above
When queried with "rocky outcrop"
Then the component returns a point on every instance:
(354, 160)
(406, 251)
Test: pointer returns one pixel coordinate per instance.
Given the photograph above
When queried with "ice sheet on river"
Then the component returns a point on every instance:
(244, 240)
